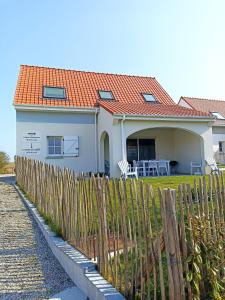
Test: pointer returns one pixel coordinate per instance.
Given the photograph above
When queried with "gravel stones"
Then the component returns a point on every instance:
(28, 268)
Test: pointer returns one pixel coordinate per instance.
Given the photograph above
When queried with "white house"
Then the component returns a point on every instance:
(89, 121)
(217, 109)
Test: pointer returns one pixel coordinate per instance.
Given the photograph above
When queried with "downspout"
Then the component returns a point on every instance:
(96, 143)
(122, 137)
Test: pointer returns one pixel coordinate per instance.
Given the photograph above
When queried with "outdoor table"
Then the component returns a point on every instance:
(145, 163)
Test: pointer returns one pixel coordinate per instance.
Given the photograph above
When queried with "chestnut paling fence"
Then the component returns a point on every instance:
(163, 244)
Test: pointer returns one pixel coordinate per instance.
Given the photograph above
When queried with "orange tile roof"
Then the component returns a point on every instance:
(151, 109)
(207, 105)
(81, 87)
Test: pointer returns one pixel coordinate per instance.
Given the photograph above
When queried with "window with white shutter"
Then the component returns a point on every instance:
(71, 146)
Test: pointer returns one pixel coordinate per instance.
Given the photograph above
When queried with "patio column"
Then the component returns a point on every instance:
(123, 141)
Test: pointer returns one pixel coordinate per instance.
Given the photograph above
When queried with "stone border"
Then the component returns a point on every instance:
(80, 269)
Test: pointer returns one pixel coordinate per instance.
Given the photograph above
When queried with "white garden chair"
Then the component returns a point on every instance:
(196, 168)
(139, 166)
(163, 167)
(152, 168)
(213, 165)
(127, 170)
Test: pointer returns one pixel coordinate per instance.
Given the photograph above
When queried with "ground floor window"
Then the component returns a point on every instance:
(140, 149)
(54, 145)
(221, 147)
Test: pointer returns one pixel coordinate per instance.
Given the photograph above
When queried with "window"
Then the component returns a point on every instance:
(218, 115)
(54, 92)
(140, 149)
(106, 95)
(54, 145)
(221, 147)
(148, 97)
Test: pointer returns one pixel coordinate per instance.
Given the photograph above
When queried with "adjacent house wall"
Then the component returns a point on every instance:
(218, 136)
(59, 124)
(184, 103)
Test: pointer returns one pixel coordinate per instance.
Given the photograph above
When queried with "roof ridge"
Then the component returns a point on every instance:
(80, 71)
(203, 99)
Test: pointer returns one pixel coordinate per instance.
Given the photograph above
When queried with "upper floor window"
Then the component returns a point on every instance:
(218, 115)
(148, 97)
(54, 92)
(106, 95)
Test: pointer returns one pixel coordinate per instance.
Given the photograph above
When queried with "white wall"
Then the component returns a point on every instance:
(105, 125)
(60, 124)
(188, 147)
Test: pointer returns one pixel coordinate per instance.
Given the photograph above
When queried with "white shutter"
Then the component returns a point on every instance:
(71, 146)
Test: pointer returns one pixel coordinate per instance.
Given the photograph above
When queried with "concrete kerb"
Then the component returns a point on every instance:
(80, 269)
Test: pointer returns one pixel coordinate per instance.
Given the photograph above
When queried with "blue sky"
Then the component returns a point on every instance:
(181, 43)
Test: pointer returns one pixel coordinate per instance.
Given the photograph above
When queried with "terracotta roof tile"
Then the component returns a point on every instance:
(207, 105)
(149, 109)
(81, 87)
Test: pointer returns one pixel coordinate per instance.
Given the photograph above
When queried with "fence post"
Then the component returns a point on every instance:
(172, 244)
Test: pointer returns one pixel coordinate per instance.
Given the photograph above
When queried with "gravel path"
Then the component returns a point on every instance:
(28, 269)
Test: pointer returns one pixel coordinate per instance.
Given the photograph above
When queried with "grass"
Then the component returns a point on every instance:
(171, 181)
(8, 169)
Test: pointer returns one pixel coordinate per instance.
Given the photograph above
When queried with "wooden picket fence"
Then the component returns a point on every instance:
(163, 244)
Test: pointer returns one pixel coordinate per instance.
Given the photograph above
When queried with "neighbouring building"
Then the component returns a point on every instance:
(217, 109)
(89, 121)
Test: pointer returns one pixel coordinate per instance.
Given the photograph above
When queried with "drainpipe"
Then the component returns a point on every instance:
(96, 142)
(122, 137)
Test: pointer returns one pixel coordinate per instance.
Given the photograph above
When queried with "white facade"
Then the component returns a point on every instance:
(103, 136)
(59, 124)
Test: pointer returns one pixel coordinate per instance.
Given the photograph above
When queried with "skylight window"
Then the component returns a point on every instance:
(106, 95)
(54, 92)
(148, 97)
(218, 115)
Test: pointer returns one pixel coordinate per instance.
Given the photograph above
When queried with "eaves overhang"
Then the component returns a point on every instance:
(163, 118)
(46, 108)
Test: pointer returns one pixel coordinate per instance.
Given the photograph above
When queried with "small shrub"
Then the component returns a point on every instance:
(4, 160)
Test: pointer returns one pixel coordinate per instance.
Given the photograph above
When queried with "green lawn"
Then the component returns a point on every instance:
(170, 181)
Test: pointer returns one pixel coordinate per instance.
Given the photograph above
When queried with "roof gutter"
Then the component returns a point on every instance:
(27, 107)
(163, 118)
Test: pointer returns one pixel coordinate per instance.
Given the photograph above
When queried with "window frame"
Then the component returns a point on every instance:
(54, 87)
(143, 95)
(54, 146)
(108, 99)
(221, 146)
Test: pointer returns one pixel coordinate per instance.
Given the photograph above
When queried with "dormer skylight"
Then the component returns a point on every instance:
(148, 97)
(54, 92)
(105, 95)
(218, 115)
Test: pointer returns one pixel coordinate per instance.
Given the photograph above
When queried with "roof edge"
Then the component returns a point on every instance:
(162, 117)
(201, 99)
(30, 107)
(81, 71)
